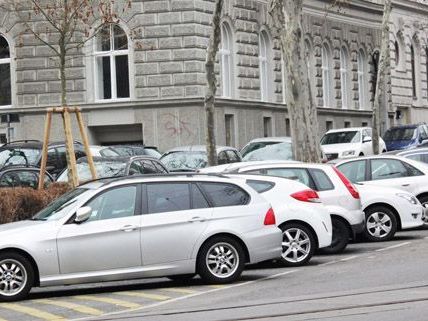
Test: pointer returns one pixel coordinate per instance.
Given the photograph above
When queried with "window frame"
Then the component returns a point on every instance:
(10, 62)
(344, 77)
(112, 54)
(362, 79)
(226, 53)
(265, 66)
(326, 76)
(405, 165)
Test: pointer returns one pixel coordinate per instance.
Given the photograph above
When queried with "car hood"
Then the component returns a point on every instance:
(19, 228)
(399, 144)
(339, 148)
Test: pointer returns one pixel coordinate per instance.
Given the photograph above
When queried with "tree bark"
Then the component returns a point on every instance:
(287, 16)
(211, 89)
(384, 64)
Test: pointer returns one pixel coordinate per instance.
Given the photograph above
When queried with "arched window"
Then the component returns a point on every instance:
(112, 63)
(284, 79)
(326, 76)
(226, 60)
(344, 77)
(397, 53)
(362, 77)
(412, 63)
(5, 73)
(265, 66)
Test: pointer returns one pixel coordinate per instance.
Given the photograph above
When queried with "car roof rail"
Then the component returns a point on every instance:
(23, 141)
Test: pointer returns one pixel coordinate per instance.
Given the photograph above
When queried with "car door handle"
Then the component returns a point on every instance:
(129, 228)
(405, 185)
(197, 219)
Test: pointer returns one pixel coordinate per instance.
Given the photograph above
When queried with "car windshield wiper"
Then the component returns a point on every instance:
(37, 219)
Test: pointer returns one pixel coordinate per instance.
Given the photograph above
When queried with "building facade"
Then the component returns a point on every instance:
(144, 80)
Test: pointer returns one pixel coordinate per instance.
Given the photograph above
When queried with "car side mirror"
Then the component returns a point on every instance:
(367, 139)
(83, 214)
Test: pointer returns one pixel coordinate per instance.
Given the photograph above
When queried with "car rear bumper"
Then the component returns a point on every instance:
(264, 244)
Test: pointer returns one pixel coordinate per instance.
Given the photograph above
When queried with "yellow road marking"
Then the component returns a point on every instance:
(36, 313)
(179, 290)
(72, 306)
(2, 319)
(150, 296)
(217, 286)
(102, 299)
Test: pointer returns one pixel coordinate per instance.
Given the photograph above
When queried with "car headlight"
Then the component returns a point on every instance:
(348, 153)
(410, 198)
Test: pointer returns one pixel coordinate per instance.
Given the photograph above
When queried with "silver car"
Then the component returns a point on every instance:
(129, 228)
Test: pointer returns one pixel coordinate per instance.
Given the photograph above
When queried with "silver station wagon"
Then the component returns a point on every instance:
(120, 229)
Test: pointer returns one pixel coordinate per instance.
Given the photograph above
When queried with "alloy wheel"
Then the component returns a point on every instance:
(13, 277)
(379, 225)
(425, 218)
(296, 245)
(222, 260)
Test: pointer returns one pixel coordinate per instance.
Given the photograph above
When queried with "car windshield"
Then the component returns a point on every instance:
(281, 151)
(341, 138)
(399, 134)
(104, 169)
(184, 161)
(108, 152)
(60, 207)
(19, 156)
(153, 153)
(251, 147)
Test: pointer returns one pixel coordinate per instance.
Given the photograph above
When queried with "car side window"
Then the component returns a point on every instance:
(423, 133)
(223, 194)
(298, 174)
(115, 203)
(136, 168)
(198, 199)
(9, 179)
(222, 158)
(27, 179)
(52, 160)
(387, 169)
(149, 168)
(322, 182)
(167, 197)
(159, 167)
(411, 170)
(233, 157)
(418, 157)
(260, 186)
(354, 171)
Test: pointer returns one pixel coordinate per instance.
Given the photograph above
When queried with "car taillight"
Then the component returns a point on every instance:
(270, 217)
(348, 184)
(308, 195)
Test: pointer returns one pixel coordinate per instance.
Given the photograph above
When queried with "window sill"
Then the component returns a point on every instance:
(117, 100)
(5, 106)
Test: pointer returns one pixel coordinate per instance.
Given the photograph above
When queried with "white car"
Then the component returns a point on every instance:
(259, 143)
(388, 210)
(349, 142)
(304, 221)
(335, 191)
(389, 171)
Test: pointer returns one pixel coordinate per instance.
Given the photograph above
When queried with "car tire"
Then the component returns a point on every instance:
(340, 237)
(381, 224)
(181, 277)
(361, 154)
(298, 244)
(424, 202)
(220, 260)
(16, 276)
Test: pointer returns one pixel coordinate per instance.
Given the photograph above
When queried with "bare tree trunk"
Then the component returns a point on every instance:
(384, 64)
(288, 17)
(212, 51)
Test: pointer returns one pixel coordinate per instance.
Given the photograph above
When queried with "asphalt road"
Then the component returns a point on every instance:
(369, 281)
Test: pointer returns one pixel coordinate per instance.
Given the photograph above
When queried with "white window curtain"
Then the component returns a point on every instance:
(226, 61)
(326, 76)
(264, 63)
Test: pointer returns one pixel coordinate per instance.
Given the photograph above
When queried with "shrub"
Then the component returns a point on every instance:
(21, 203)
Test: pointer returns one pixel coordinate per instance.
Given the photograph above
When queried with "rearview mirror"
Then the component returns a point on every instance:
(83, 214)
(367, 139)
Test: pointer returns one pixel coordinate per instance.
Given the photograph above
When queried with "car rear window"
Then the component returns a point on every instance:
(322, 182)
(223, 194)
(260, 186)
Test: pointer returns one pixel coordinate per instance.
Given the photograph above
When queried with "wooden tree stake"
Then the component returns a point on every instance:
(86, 144)
(45, 149)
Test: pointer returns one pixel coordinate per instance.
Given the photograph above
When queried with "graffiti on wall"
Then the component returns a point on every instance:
(176, 126)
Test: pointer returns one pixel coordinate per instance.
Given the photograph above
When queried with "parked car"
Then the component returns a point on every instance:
(258, 143)
(334, 190)
(29, 153)
(281, 151)
(182, 225)
(115, 167)
(20, 176)
(405, 136)
(304, 221)
(103, 151)
(136, 150)
(349, 142)
(192, 158)
(389, 210)
(389, 171)
(418, 154)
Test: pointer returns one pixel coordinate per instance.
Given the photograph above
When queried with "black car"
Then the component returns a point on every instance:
(115, 167)
(136, 150)
(29, 153)
(19, 176)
